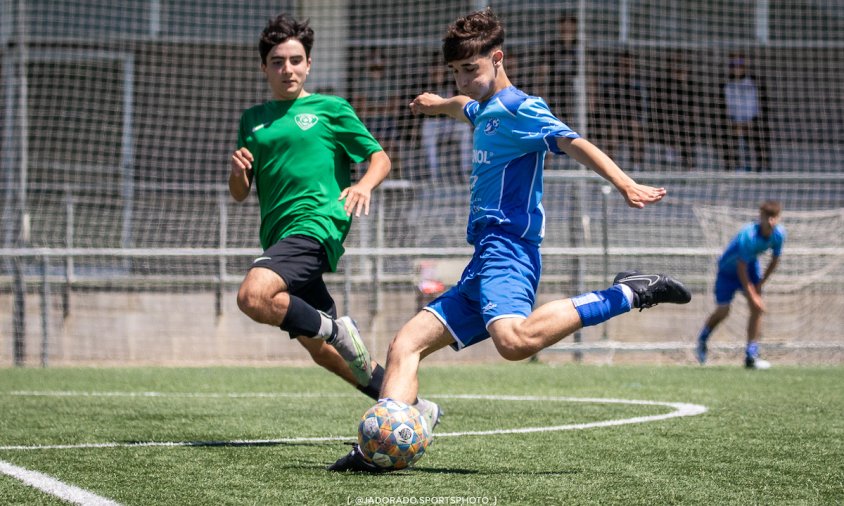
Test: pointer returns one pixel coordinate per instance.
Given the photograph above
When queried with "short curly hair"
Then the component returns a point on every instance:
(475, 34)
(282, 28)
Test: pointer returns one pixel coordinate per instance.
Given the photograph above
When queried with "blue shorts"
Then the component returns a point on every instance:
(728, 283)
(500, 282)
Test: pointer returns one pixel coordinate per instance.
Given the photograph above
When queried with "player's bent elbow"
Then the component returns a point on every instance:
(382, 159)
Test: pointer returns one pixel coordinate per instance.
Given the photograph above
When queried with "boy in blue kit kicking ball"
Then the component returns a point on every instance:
(496, 293)
(739, 269)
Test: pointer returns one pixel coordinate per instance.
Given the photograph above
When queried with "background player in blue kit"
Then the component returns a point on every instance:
(496, 293)
(739, 269)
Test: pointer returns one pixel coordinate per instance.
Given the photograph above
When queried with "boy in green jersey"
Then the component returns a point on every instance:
(297, 149)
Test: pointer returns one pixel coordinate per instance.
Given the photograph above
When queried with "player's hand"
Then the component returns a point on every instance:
(357, 199)
(426, 103)
(241, 162)
(639, 195)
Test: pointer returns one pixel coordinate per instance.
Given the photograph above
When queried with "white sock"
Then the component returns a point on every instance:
(628, 293)
(326, 326)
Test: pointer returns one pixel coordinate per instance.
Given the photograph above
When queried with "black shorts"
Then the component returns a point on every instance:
(300, 261)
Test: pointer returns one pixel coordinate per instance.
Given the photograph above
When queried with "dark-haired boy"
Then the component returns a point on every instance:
(298, 149)
(495, 296)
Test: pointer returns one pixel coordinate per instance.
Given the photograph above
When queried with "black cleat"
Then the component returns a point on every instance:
(756, 363)
(355, 461)
(653, 289)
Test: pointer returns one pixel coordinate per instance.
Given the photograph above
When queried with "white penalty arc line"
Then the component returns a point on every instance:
(54, 487)
(681, 409)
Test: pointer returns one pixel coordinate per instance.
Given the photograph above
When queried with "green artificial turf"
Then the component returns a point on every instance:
(768, 437)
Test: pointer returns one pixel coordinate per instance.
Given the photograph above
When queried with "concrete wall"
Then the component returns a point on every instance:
(108, 328)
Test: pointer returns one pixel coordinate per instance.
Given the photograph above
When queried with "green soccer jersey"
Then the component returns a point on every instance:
(303, 152)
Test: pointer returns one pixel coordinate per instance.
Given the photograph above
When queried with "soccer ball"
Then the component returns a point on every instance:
(393, 435)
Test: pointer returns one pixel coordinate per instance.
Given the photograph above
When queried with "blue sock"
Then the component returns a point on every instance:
(598, 307)
(704, 334)
(752, 350)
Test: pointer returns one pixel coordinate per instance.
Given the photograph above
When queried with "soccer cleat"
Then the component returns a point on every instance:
(431, 411)
(355, 461)
(756, 363)
(653, 289)
(349, 344)
(700, 351)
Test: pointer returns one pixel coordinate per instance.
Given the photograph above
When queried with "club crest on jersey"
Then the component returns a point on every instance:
(306, 121)
(491, 126)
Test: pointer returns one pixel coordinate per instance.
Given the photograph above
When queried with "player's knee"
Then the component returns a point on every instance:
(249, 301)
(515, 352)
(514, 345)
(721, 312)
(402, 346)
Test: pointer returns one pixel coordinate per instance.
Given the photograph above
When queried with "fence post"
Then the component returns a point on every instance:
(379, 243)
(19, 314)
(45, 309)
(68, 259)
(224, 225)
(605, 222)
(347, 287)
(578, 223)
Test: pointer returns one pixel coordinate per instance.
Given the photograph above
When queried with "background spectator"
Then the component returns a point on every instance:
(375, 97)
(447, 143)
(623, 109)
(746, 115)
(559, 60)
(675, 111)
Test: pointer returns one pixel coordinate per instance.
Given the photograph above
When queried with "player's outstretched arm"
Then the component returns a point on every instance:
(359, 195)
(772, 266)
(432, 105)
(636, 195)
(240, 177)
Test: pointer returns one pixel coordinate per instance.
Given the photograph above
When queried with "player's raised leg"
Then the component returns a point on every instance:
(517, 338)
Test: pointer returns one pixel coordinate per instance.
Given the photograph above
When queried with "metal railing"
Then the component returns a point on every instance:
(33, 266)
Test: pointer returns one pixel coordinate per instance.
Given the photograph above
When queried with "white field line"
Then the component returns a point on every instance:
(54, 487)
(210, 395)
(680, 409)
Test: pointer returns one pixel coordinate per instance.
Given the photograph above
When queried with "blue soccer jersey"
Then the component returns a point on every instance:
(512, 133)
(748, 244)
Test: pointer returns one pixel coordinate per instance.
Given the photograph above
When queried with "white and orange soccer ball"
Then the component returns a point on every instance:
(393, 435)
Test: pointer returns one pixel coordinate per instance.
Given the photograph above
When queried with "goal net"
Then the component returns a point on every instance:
(119, 242)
